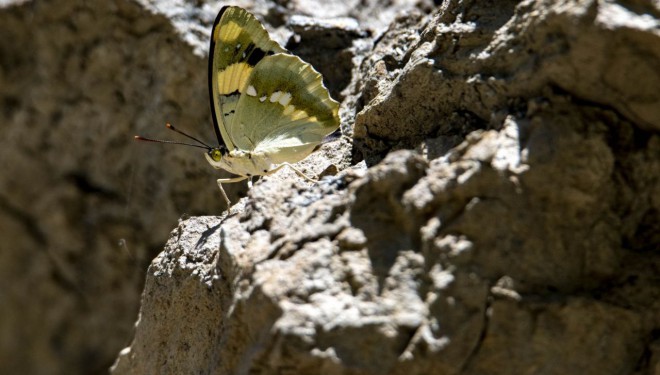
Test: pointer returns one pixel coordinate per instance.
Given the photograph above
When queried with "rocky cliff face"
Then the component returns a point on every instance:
(495, 207)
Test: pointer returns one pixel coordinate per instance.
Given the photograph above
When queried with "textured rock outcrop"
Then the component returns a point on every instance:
(520, 237)
(470, 65)
(515, 229)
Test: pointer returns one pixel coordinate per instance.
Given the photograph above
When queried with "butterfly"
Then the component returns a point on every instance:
(270, 109)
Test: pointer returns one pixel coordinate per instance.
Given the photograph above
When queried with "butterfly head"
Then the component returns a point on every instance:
(214, 156)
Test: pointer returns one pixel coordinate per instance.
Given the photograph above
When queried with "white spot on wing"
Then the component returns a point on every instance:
(285, 99)
(275, 96)
(238, 46)
(251, 91)
(263, 98)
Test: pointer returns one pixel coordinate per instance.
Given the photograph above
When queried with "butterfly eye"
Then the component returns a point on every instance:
(216, 155)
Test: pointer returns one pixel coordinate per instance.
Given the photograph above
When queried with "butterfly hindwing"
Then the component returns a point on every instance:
(238, 43)
(285, 111)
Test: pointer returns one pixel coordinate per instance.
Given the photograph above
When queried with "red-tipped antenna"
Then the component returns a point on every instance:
(203, 145)
(169, 126)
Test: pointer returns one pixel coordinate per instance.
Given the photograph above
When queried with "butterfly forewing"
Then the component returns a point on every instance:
(285, 110)
(238, 43)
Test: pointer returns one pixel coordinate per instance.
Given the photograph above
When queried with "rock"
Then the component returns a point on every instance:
(521, 237)
(465, 67)
(494, 208)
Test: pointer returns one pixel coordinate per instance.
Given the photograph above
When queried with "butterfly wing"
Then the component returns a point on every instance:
(238, 43)
(285, 111)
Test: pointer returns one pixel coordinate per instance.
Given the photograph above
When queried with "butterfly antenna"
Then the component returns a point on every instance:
(169, 126)
(140, 138)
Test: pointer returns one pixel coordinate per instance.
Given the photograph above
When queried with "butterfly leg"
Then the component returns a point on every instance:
(228, 181)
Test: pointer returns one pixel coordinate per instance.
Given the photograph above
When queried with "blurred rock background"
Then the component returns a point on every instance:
(516, 230)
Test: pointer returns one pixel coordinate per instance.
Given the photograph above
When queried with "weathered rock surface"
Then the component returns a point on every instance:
(523, 238)
(515, 230)
(470, 65)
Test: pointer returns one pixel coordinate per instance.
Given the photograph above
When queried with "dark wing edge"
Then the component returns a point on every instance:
(216, 127)
(257, 49)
